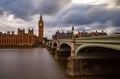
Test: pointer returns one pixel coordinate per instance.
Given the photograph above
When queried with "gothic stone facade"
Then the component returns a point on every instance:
(22, 38)
(62, 35)
(91, 34)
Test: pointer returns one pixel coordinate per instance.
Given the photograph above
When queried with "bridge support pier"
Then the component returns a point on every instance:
(57, 52)
(52, 51)
(73, 67)
(83, 67)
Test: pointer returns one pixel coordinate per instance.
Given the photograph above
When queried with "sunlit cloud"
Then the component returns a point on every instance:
(108, 3)
(84, 1)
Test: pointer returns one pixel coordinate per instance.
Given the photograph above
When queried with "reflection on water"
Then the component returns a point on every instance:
(33, 64)
(28, 64)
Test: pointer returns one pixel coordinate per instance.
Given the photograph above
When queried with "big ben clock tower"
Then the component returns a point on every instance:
(40, 29)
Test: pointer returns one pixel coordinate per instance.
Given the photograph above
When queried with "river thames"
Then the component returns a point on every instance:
(34, 63)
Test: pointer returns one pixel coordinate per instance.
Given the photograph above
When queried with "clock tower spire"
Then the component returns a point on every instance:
(40, 28)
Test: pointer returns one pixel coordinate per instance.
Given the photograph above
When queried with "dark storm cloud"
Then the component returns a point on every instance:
(90, 14)
(26, 8)
(52, 6)
(103, 15)
(75, 14)
(16, 7)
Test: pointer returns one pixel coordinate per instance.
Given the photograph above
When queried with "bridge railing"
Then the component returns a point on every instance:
(115, 37)
(99, 39)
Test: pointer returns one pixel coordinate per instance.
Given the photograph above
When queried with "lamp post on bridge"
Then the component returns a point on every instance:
(73, 43)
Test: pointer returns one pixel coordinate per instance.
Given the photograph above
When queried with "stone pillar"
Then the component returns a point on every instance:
(58, 45)
(73, 48)
(48, 46)
(57, 50)
(52, 49)
(73, 43)
(73, 68)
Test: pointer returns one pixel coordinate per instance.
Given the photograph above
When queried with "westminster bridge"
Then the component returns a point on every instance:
(89, 55)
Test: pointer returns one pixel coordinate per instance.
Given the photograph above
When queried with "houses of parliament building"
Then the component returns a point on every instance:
(22, 38)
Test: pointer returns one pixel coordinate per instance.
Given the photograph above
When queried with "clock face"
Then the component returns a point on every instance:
(40, 24)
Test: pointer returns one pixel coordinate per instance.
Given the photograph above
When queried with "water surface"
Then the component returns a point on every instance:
(28, 64)
(34, 63)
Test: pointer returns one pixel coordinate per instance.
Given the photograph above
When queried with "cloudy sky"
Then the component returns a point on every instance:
(89, 15)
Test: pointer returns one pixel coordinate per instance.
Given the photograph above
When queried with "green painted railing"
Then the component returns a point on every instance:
(115, 37)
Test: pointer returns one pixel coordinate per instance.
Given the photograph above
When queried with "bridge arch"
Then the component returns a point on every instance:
(65, 50)
(55, 45)
(65, 43)
(51, 44)
(97, 51)
(65, 47)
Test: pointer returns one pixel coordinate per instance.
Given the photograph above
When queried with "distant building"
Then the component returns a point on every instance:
(117, 33)
(22, 38)
(92, 34)
(62, 35)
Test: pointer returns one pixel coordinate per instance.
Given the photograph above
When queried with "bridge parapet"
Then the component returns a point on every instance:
(115, 37)
(100, 39)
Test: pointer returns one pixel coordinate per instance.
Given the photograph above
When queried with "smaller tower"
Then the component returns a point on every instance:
(31, 31)
(13, 32)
